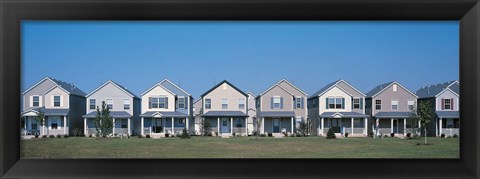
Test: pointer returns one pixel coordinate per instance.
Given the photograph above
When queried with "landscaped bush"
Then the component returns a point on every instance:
(455, 136)
(262, 135)
(392, 135)
(147, 136)
(51, 136)
(65, 136)
(409, 135)
(298, 135)
(185, 134)
(44, 136)
(269, 134)
(330, 134)
(385, 136)
(36, 135)
(216, 133)
(346, 134)
(59, 136)
(370, 134)
(442, 136)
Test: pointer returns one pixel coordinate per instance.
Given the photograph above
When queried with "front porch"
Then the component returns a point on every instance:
(448, 123)
(56, 122)
(160, 123)
(121, 124)
(400, 127)
(277, 122)
(227, 122)
(355, 124)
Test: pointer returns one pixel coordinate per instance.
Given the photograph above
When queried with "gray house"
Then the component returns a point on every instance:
(124, 108)
(61, 102)
(444, 98)
(226, 108)
(281, 108)
(166, 109)
(338, 106)
(390, 105)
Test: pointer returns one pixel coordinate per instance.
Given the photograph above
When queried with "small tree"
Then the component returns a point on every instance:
(424, 113)
(413, 120)
(185, 134)
(302, 128)
(330, 134)
(103, 122)
(41, 121)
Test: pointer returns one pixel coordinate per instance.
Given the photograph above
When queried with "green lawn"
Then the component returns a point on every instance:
(239, 147)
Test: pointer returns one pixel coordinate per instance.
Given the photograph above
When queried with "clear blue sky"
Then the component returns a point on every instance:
(251, 55)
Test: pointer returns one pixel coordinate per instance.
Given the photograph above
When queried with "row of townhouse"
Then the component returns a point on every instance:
(165, 108)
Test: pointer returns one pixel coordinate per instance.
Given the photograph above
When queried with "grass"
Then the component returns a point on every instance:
(239, 147)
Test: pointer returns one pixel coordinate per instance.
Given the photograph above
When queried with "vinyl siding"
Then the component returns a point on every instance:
(64, 103)
(110, 91)
(40, 90)
(354, 93)
(387, 95)
(224, 91)
(447, 95)
(335, 92)
(155, 92)
(277, 91)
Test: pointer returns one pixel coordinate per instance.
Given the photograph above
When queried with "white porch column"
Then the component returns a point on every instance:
(129, 128)
(186, 123)
(352, 125)
(404, 126)
(322, 127)
(441, 123)
(173, 120)
(65, 125)
(292, 124)
(25, 125)
(113, 126)
(391, 125)
(246, 126)
(218, 125)
(142, 130)
(263, 125)
(231, 125)
(85, 127)
(419, 127)
(366, 126)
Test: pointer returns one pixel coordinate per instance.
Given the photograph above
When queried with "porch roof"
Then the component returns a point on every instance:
(342, 114)
(116, 114)
(448, 114)
(224, 113)
(392, 115)
(277, 113)
(163, 114)
(49, 112)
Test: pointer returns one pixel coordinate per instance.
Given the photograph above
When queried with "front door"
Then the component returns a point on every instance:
(395, 126)
(225, 126)
(157, 126)
(276, 125)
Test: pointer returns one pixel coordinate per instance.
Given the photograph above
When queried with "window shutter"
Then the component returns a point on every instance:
(343, 103)
(302, 102)
(326, 103)
(281, 102)
(149, 103)
(271, 103)
(61, 100)
(52, 99)
(31, 101)
(176, 103)
(352, 103)
(166, 102)
(185, 103)
(294, 102)
(443, 104)
(451, 104)
(361, 103)
(40, 101)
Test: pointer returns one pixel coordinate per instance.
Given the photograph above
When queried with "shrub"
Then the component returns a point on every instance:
(65, 136)
(89, 135)
(409, 135)
(392, 134)
(36, 135)
(167, 135)
(185, 134)
(44, 136)
(455, 135)
(285, 134)
(346, 134)
(77, 132)
(262, 135)
(330, 134)
(51, 136)
(139, 136)
(269, 134)
(59, 136)
(385, 135)
(298, 135)
(442, 136)
(216, 133)
(147, 136)
(370, 134)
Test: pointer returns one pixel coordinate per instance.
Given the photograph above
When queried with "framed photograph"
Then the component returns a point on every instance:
(244, 89)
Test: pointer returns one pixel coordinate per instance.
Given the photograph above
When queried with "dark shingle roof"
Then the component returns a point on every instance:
(72, 89)
(117, 114)
(343, 114)
(448, 114)
(323, 89)
(277, 113)
(164, 114)
(378, 89)
(433, 90)
(392, 114)
(51, 112)
(224, 81)
(224, 113)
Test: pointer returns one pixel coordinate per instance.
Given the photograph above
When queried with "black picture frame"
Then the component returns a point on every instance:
(14, 11)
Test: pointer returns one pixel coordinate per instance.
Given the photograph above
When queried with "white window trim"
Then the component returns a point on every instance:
(129, 103)
(106, 102)
(184, 102)
(89, 103)
(394, 87)
(205, 105)
(226, 99)
(279, 102)
(298, 100)
(413, 103)
(39, 101)
(53, 101)
(445, 104)
(391, 104)
(353, 104)
(241, 101)
(376, 104)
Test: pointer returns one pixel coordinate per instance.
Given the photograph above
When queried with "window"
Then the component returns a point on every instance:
(36, 101)
(158, 102)
(34, 126)
(124, 123)
(411, 104)
(92, 104)
(181, 103)
(153, 102)
(331, 103)
(356, 103)
(338, 103)
(56, 101)
(161, 103)
(241, 103)
(394, 104)
(181, 121)
(54, 124)
(238, 123)
(276, 102)
(110, 103)
(298, 102)
(126, 104)
(208, 103)
(224, 103)
(378, 104)
(357, 122)
(447, 103)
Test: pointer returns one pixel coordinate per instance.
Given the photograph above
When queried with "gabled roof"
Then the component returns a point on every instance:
(161, 86)
(119, 114)
(173, 87)
(68, 87)
(224, 81)
(334, 84)
(224, 113)
(380, 88)
(431, 91)
(49, 112)
(286, 81)
(197, 100)
(273, 86)
(343, 114)
(116, 85)
(164, 114)
(252, 94)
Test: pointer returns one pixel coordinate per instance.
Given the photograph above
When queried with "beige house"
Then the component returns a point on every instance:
(225, 107)
(281, 108)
